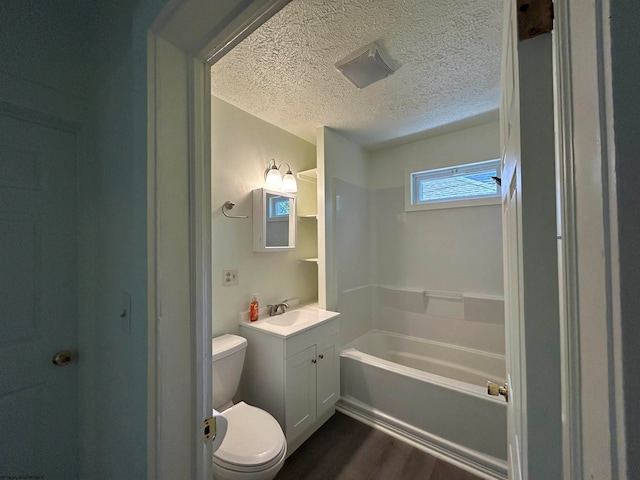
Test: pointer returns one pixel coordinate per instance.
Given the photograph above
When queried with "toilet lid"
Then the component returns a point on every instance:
(254, 438)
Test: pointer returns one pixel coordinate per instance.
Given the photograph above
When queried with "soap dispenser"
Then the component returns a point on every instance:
(253, 308)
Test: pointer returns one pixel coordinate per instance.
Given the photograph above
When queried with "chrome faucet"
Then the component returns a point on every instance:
(273, 309)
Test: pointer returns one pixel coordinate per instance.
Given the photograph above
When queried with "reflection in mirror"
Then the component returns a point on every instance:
(274, 221)
(277, 221)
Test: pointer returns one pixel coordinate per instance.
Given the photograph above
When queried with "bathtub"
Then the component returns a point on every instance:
(430, 394)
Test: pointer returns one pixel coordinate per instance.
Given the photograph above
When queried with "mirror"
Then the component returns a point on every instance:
(274, 221)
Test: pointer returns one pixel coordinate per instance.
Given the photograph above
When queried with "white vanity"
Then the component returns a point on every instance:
(292, 369)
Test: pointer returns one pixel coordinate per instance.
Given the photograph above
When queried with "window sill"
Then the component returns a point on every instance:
(475, 202)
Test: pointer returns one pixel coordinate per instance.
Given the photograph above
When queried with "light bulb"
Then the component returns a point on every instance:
(289, 183)
(274, 178)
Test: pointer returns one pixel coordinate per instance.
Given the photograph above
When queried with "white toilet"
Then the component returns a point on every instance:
(254, 446)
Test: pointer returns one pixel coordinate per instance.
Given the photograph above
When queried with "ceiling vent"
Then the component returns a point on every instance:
(365, 66)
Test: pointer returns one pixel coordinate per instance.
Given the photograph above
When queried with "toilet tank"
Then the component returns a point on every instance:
(227, 355)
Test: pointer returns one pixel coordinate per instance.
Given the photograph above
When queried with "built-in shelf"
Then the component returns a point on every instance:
(314, 216)
(309, 175)
(310, 260)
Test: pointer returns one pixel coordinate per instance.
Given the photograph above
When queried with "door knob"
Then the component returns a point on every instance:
(496, 390)
(62, 358)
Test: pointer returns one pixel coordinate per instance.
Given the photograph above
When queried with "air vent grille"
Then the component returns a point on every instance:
(365, 66)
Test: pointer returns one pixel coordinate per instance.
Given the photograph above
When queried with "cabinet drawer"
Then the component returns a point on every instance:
(314, 335)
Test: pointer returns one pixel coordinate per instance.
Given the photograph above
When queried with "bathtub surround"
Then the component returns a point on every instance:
(354, 249)
(454, 249)
(376, 244)
(241, 146)
(347, 245)
(471, 321)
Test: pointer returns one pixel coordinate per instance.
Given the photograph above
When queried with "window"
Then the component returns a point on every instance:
(457, 186)
(279, 207)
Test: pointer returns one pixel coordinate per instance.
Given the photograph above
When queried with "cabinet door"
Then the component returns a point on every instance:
(300, 392)
(328, 379)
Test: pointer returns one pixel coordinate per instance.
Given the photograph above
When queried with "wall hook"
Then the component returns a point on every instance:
(228, 205)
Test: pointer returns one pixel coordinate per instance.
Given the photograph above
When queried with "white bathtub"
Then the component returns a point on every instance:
(431, 394)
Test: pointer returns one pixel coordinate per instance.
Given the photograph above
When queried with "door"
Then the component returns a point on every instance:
(328, 381)
(513, 334)
(530, 251)
(300, 388)
(510, 173)
(38, 400)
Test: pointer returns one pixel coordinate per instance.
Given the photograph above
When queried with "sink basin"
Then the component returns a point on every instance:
(291, 322)
(294, 317)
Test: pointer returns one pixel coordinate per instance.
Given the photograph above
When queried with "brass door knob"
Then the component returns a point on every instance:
(62, 358)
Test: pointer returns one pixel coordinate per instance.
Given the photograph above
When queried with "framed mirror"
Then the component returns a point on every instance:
(274, 221)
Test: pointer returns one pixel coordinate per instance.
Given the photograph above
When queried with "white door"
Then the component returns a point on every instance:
(38, 400)
(515, 345)
(300, 388)
(530, 255)
(510, 172)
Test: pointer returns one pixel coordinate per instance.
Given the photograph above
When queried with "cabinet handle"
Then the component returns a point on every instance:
(321, 356)
(313, 360)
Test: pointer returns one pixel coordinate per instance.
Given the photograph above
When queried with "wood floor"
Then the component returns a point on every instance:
(345, 449)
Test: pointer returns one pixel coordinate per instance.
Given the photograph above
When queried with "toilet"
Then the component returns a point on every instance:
(254, 447)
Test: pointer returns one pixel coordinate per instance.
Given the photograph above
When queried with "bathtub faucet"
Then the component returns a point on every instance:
(273, 309)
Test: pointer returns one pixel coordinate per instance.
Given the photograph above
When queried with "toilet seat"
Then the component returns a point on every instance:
(254, 441)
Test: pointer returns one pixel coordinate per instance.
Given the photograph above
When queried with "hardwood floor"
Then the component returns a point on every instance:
(345, 449)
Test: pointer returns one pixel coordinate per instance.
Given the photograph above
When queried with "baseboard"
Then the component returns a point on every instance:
(483, 466)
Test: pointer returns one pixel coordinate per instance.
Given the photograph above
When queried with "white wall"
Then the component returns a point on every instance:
(114, 379)
(241, 146)
(114, 413)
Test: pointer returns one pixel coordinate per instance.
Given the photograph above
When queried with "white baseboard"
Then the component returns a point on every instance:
(483, 466)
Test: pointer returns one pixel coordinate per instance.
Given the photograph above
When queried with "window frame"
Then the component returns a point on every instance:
(444, 172)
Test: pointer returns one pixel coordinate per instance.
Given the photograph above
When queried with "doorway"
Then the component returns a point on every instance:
(554, 274)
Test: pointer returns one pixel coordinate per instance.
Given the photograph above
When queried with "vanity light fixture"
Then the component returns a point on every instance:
(275, 180)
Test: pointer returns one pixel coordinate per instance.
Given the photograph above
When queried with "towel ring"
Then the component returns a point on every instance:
(228, 205)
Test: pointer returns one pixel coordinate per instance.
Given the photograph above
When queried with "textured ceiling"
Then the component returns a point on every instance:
(447, 53)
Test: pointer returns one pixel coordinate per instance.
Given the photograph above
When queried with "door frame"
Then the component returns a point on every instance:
(591, 340)
(194, 52)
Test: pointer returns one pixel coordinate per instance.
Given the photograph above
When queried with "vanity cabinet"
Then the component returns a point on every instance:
(311, 386)
(295, 378)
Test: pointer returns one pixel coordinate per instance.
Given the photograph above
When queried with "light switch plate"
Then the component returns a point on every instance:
(125, 312)
(229, 277)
